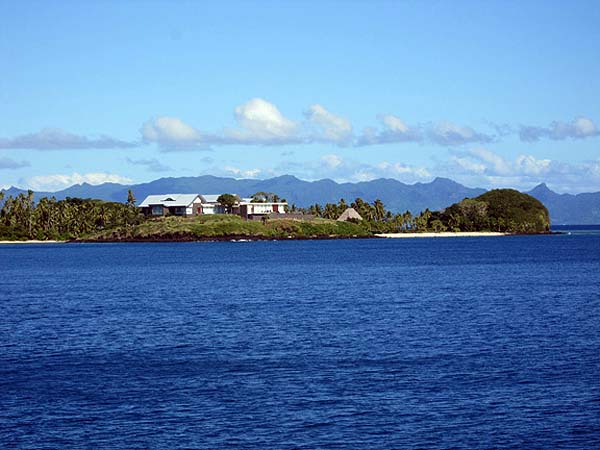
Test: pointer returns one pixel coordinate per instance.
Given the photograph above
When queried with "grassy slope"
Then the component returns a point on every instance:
(229, 227)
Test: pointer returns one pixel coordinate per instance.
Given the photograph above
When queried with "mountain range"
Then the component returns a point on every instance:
(397, 196)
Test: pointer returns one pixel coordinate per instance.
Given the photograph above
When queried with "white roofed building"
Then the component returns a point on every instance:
(198, 204)
(171, 204)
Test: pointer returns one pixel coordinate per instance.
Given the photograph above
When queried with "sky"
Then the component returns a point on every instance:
(490, 94)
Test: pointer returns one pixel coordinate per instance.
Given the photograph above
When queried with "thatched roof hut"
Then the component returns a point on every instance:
(350, 213)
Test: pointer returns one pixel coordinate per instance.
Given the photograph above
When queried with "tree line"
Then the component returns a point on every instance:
(48, 218)
(504, 210)
(375, 216)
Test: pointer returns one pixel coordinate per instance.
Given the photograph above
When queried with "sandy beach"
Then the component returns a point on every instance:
(443, 234)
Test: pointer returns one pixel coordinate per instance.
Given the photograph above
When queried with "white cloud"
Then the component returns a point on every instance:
(395, 124)
(347, 170)
(261, 122)
(172, 134)
(57, 139)
(529, 165)
(241, 173)
(482, 167)
(493, 161)
(469, 165)
(330, 127)
(584, 127)
(580, 128)
(394, 130)
(399, 170)
(448, 133)
(58, 182)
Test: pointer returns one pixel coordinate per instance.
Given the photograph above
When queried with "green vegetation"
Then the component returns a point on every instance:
(228, 201)
(22, 219)
(503, 210)
(226, 226)
(262, 197)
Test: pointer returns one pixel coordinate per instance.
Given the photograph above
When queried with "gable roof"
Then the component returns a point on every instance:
(169, 200)
(209, 198)
(350, 213)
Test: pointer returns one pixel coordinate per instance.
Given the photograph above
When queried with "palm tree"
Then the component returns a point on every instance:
(130, 199)
(379, 210)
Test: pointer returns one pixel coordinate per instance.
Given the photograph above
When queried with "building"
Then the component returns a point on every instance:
(257, 210)
(199, 204)
(349, 214)
(171, 204)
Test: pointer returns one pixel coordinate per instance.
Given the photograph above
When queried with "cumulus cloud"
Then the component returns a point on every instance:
(485, 168)
(448, 133)
(57, 139)
(241, 173)
(8, 163)
(261, 122)
(58, 181)
(580, 128)
(172, 134)
(328, 127)
(393, 130)
(484, 161)
(152, 165)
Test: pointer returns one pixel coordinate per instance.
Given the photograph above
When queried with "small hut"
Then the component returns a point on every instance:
(350, 213)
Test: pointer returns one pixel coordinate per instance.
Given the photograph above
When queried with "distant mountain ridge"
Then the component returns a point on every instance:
(397, 196)
(569, 209)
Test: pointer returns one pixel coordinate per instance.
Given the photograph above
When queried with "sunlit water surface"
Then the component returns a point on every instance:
(431, 343)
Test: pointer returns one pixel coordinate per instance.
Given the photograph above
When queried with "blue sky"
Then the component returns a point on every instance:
(491, 94)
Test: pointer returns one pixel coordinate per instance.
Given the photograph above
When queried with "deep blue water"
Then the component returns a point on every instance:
(416, 343)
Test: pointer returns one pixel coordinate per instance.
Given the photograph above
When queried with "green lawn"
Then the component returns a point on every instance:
(229, 227)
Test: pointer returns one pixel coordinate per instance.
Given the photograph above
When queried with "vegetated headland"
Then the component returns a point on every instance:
(501, 211)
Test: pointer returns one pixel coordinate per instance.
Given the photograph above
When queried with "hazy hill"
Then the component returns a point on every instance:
(397, 196)
(569, 209)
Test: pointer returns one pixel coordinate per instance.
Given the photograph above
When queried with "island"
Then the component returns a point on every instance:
(263, 216)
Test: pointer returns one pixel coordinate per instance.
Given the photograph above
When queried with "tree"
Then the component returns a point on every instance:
(422, 220)
(342, 206)
(437, 226)
(330, 211)
(228, 201)
(263, 197)
(130, 199)
(379, 210)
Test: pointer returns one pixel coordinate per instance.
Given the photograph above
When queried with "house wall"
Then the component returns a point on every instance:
(195, 208)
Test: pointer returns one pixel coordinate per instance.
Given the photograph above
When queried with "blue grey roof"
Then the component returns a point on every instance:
(210, 198)
(169, 200)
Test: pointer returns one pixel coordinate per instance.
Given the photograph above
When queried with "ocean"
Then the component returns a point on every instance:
(407, 343)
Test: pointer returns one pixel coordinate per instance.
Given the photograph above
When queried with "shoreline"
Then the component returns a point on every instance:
(247, 238)
(442, 234)
(33, 241)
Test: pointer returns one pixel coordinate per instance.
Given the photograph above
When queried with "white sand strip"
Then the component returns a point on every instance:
(443, 234)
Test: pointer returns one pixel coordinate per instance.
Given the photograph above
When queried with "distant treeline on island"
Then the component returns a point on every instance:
(503, 210)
